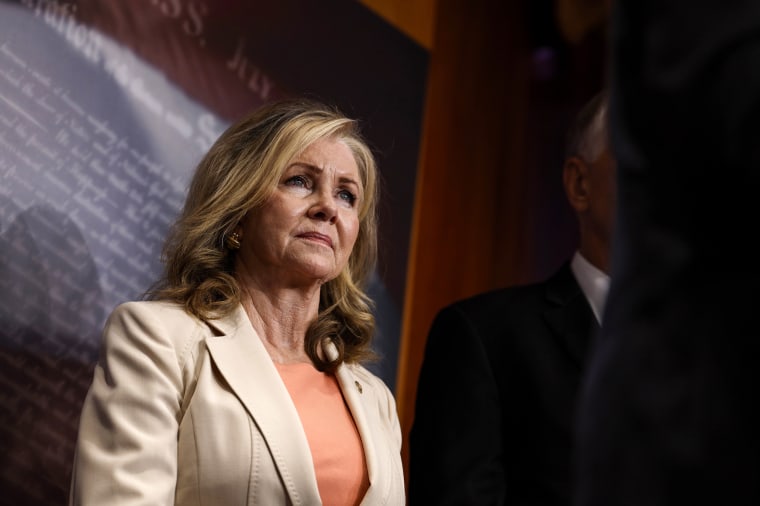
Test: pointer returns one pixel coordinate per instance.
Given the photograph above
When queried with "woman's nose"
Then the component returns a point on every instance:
(324, 207)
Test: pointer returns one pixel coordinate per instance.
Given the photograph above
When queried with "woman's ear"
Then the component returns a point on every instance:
(575, 179)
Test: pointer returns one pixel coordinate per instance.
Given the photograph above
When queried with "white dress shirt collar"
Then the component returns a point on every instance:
(593, 282)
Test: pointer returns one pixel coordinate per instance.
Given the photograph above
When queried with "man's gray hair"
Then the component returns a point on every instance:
(587, 136)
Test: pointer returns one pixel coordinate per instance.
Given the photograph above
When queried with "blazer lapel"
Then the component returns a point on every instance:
(356, 395)
(569, 315)
(245, 364)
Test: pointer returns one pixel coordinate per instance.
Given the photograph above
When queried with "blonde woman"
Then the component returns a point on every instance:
(240, 382)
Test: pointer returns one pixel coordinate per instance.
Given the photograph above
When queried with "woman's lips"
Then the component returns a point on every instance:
(317, 237)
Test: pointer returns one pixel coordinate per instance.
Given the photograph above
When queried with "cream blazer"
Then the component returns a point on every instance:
(189, 412)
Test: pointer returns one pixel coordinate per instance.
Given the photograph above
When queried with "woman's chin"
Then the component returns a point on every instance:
(318, 274)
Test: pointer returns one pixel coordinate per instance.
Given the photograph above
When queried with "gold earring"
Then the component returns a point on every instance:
(232, 241)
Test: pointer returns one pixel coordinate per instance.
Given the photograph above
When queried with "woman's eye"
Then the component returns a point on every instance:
(300, 181)
(347, 196)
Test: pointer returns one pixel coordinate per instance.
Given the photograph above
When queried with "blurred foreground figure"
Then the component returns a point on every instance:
(668, 415)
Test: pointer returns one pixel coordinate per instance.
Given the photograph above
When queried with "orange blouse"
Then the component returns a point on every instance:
(335, 444)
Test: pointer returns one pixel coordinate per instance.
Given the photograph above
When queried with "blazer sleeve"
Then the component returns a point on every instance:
(455, 440)
(126, 451)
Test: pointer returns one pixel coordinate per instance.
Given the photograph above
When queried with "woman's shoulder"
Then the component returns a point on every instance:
(148, 307)
(155, 311)
(154, 341)
(156, 320)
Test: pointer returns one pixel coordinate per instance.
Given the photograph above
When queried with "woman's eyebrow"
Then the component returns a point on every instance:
(315, 168)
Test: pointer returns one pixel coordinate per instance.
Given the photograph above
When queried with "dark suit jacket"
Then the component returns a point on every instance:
(496, 397)
(669, 415)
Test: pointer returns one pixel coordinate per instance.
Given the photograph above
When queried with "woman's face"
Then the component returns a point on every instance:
(305, 232)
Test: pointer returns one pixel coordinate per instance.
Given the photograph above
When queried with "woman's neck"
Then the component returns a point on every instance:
(281, 317)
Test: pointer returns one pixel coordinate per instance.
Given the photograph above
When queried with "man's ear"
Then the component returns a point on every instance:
(575, 179)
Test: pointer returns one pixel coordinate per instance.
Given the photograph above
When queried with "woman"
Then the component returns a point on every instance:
(240, 382)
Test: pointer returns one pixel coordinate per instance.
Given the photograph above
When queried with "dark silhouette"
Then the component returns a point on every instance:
(669, 414)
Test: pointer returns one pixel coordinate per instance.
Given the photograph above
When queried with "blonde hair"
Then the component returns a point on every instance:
(237, 175)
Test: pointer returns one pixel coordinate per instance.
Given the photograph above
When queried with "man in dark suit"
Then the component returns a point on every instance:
(497, 389)
(669, 414)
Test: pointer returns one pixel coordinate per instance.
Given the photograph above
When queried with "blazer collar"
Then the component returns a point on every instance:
(569, 314)
(245, 364)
